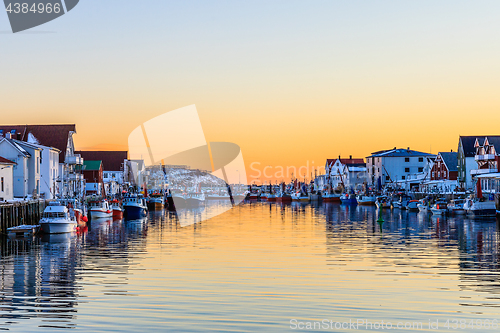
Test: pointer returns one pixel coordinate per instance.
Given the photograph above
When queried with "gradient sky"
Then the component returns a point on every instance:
(288, 81)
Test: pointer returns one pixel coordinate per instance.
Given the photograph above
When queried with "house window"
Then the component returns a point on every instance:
(439, 173)
(2, 185)
(407, 159)
(407, 169)
(420, 169)
(403, 177)
(444, 173)
(387, 178)
(420, 159)
(432, 173)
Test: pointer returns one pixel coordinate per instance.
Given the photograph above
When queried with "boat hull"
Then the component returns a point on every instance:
(117, 214)
(284, 199)
(482, 212)
(58, 227)
(193, 202)
(156, 205)
(95, 214)
(349, 202)
(135, 212)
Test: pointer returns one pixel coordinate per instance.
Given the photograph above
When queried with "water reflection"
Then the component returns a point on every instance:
(251, 268)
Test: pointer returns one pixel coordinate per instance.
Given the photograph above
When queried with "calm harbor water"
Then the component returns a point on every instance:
(254, 268)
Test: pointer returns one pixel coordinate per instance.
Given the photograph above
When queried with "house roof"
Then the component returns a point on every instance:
(91, 165)
(17, 146)
(451, 160)
(47, 135)
(492, 140)
(352, 161)
(111, 160)
(468, 144)
(400, 152)
(6, 161)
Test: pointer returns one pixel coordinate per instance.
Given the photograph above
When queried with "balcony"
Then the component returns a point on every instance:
(482, 171)
(485, 157)
(74, 160)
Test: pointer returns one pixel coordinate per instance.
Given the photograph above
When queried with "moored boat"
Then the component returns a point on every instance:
(195, 199)
(156, 201)
(348, 199)
(56, 219)
(366, 200)
(117, 209)
(439, 208)
(100, 209)
(478, 208)
(135, 206)
(413, 205)
(423, 206)
(456, 207)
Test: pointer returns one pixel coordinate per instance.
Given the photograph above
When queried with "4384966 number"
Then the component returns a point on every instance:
(39, 8)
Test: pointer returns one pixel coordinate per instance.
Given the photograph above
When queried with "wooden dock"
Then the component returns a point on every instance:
(22, 212)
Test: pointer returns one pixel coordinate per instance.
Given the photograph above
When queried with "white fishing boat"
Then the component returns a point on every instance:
(366, 200)
(478, 208)
(56, 219)
(195, 199)
(456, 207)
(300, 196)
(383, 202)
(100, 209)
(423, 206)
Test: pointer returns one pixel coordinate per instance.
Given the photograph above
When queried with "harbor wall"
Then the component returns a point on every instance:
(18, 213)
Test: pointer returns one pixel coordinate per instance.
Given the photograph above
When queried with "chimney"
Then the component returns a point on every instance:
(19, 136)
(8, 135)
(350, 157)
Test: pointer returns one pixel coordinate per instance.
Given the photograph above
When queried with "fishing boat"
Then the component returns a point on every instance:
(135, 206)
(439, 208)
(283, 197)
(299, 196)
(100, 209)
(254, 194)
(271, 197)
(479, 208)
(456, 207)
(413, 205)
(366, 200)
(329, 195)
(220, 195)
(383, 202)
(77, 208)
(56, 219)
(156, 201)
(348, 199)
(402, 202)
(195, 199)
(117, 209)
(423, 206)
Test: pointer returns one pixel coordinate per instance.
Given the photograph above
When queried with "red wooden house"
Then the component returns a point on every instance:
(445, 166)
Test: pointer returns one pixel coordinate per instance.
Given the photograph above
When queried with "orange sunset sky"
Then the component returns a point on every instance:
(287, 81)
